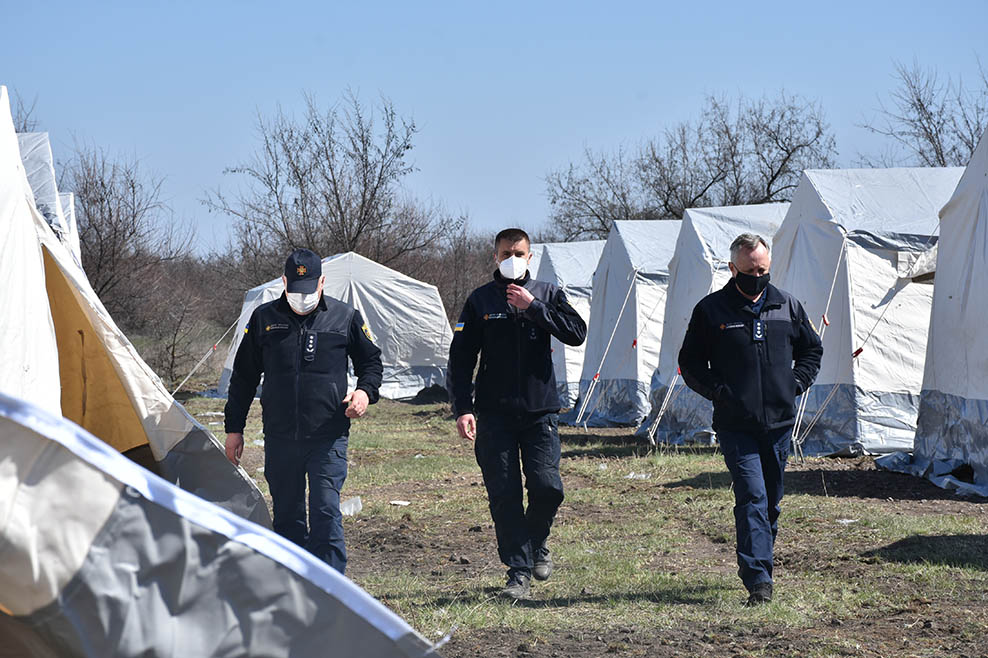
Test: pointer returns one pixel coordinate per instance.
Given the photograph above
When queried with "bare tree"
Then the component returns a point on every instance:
(332, 183)
(125, 230)
(587, 199)
(23, 114)
(179, 323)
(937, 122)
(741, 153)
(464, 262)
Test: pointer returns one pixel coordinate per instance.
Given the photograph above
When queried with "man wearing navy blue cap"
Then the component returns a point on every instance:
(301, 342)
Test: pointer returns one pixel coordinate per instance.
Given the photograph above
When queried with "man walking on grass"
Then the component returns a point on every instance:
(751, 350)
(514, 409)
(301, 342)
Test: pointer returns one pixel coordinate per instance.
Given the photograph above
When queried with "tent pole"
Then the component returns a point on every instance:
(205, 356)
(662, 409)
(593, 384)
(796, 440)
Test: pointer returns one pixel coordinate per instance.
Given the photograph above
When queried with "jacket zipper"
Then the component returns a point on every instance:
(298, 376)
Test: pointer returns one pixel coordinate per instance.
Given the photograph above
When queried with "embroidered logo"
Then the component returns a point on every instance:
(732, 325)
(301, 270)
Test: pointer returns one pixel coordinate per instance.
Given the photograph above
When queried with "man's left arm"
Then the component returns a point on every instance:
(366, 358)
(558, 318)
(807, 352)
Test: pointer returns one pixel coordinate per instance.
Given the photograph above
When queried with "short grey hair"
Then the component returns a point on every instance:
(747, 242)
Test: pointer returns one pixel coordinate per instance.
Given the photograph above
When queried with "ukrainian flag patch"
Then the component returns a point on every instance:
(458, 327)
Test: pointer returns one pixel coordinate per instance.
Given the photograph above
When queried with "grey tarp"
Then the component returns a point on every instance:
(99, 557)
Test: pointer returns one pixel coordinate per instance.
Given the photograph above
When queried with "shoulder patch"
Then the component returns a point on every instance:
(458, 327)
(367, 332)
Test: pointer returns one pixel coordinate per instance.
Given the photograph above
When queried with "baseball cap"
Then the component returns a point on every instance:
(302, 271)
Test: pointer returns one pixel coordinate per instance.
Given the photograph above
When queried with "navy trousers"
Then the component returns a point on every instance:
(757, 462)
(500, 440)
(287, 464)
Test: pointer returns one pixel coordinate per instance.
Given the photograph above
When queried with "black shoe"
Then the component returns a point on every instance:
(519, 586)
(759, 594)
(543, 564)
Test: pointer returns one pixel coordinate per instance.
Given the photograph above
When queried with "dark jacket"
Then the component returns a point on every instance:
(515, 374)
(753, 383)
(304, 361)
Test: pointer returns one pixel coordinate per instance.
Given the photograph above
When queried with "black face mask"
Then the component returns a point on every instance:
(751, 285)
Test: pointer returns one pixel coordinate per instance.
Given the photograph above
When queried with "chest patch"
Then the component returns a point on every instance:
(275, 327)
(496, 316)
(732, 325)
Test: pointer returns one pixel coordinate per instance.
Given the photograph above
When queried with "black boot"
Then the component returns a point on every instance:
(543, 564)
(759, 594)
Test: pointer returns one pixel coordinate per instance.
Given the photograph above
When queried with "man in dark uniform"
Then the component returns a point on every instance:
(301, 342)
(509, 322)
(751, 349)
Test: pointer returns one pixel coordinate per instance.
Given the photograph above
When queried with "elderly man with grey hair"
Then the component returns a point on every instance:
(751, 349)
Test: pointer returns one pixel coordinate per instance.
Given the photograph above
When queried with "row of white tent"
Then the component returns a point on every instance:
(99, 556)
(866, 252)
(858, 247)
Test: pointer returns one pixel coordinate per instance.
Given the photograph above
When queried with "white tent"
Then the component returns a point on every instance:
(72, 242)
(39, 165)
(856, 237)
(405, 316)
(535, 263)
(625, 332)
(99, 557)
(62, 351)
(570, 265)
(953, 409)
(698, 267)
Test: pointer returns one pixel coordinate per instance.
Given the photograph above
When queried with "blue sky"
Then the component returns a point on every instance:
(501, 92)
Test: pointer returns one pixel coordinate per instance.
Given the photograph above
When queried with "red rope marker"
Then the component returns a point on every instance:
(634, 343)
(826, 322)
(857, 352)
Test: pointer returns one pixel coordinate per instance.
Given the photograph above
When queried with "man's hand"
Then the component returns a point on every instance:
(234, 447)
(358, 402)
(519, 297)
(467, 426)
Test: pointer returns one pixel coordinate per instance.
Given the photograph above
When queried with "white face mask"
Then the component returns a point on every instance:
(513, 268)
(302, 303)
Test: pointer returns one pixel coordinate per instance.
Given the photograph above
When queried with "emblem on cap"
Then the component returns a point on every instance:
(300, 270)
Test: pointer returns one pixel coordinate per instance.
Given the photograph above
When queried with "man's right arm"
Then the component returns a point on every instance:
(463, 351)
(247, 369)
(694, 358)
